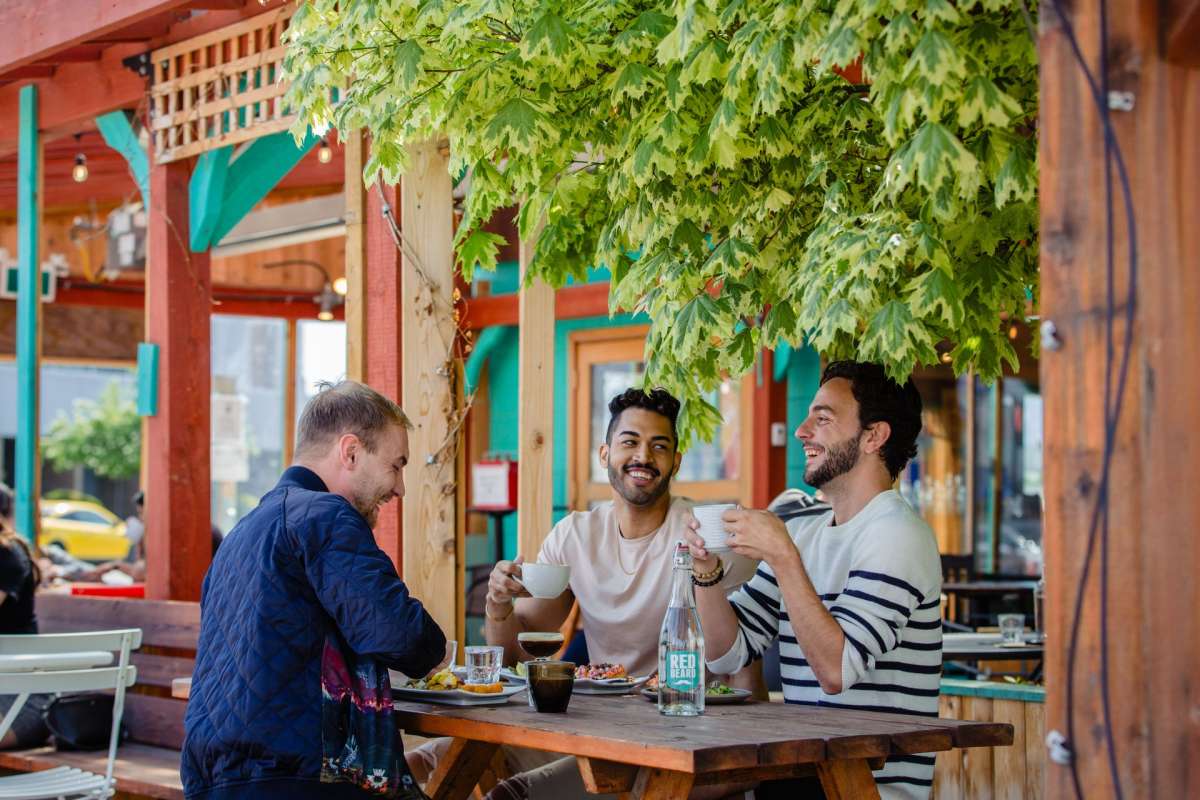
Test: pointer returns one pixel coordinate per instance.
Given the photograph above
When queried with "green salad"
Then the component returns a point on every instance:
(719, 689)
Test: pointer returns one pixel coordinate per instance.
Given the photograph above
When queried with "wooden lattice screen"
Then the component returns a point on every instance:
(220, 88)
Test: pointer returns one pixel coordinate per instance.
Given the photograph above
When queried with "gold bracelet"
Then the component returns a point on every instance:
(708, 576)
(512, 604)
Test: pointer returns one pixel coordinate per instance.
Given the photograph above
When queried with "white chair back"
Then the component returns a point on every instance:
(97, 678)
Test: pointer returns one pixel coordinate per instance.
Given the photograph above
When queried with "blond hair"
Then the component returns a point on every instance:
(346, 407)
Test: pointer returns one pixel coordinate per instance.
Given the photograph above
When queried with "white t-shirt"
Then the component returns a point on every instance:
(880, 577)
(624, 585)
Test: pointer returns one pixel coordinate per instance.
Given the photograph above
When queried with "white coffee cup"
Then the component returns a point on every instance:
(544, 580)
(712, 527)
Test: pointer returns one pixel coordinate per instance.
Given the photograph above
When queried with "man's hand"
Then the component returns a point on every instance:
(702, 560)
(760, 535)
(503, 589)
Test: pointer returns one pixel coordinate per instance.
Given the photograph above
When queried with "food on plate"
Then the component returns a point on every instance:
(652, 683)
(483, 688)
(441, 681)
(602, 671)
(717, 689)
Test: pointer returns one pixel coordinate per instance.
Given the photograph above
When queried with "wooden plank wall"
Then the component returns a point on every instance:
(993, 773)
(1154, 512)
(431, 545)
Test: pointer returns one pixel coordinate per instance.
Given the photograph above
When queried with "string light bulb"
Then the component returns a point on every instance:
(324, 315)
(324, 152)
(1012, 331)
(946, 359)
(79, 172)
(340, 286)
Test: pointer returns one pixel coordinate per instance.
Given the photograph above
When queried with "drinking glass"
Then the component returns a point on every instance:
(550, 685)
(1012, 626)
(483, 663)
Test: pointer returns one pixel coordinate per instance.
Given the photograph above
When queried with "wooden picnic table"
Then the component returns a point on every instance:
(623, 744)
(986, 647)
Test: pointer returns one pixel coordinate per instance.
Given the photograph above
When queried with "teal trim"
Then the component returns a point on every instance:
(28, 300)
(1024, 692)
(206, 196)
(803, 377)
(489, 339)
(147, 379)
(782, 355)
(118, 134)
(252, 175)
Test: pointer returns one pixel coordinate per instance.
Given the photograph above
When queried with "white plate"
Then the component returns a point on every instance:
(587, 685)
(456, 697)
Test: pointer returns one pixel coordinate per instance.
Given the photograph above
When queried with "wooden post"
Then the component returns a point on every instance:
(27, 486)
(535, 418)
(354, 151)
(1154, 511)
(178, 300)
(380, 350)
(289, 394)
(768, 467)
(428, 334)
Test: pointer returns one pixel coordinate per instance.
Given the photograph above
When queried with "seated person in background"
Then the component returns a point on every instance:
(19, 578)
(853, 594)
(620, 559)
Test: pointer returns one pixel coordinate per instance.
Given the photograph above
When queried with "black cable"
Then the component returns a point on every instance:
(1113, 408)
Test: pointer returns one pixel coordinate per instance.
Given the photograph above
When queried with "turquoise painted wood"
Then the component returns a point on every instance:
(28, 308)
(147, 379)
(206, 196)
(118, 134)
(804, 378)
(489, 339)
(1026, 693)
(251, 176)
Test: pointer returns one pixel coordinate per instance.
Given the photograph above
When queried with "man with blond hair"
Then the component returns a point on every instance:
(301, 614)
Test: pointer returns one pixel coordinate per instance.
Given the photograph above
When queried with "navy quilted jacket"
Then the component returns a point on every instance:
(298, 567)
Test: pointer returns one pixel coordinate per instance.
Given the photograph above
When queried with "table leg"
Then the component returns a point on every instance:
(847, 779)
(662, 784)
(459, 771)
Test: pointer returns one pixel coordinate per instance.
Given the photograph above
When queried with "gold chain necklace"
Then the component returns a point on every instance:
(637, 567)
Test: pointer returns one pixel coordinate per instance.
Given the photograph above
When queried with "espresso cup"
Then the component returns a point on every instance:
(550, 685)
(545, 581)
(712, 527)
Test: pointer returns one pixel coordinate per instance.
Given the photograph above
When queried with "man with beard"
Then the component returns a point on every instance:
(853, 595)
(300, 615)
(620, 558)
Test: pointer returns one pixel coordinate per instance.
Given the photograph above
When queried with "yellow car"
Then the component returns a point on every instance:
(88, 531)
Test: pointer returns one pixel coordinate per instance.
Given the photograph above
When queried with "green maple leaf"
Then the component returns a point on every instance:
(936, 59)
(479, 251)
(983, 100)
(633, 81)
(987, 352)
(895, 339)
(550, 35)
(519, 122)
(691, 25)
(935, 293)
(649, 26)
(408, 63)
(1016, 179)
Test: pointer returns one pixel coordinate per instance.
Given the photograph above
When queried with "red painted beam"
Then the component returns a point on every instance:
(225, 299)
(36, 31)
(571, 302)
(178, 538)
(768, 463)
(382, 355)
(30, 72)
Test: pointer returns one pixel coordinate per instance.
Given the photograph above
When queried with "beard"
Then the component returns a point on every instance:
(840, 458)
(368, 504)
(638, 495)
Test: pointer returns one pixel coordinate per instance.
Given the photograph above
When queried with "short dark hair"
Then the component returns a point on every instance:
(7, 502)
(346, 407)
(881, 399)
(660, 401)
(139, 498)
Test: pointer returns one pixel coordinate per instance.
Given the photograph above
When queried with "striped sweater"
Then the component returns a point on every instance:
(880, 577)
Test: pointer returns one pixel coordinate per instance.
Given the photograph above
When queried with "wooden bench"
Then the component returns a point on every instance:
(147, 764)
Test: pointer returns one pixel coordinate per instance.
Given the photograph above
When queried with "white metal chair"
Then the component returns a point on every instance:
(63, 663)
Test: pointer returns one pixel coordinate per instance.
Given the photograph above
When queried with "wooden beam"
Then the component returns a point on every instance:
(570, 302)
(535, 417)
(234, 300)
(118, 134)
(206, 193)
(289, 395)
(431, 541)
(381, 352)
(355, 153)
(30, 72)
(1153, 553)
(178, 288)
(29, 314)
(768, 464)
(42, 29)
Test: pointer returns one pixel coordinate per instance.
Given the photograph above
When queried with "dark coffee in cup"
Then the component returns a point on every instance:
(550, 685)
(540, 645)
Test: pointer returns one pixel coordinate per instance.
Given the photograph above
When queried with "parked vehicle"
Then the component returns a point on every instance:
(86, 530)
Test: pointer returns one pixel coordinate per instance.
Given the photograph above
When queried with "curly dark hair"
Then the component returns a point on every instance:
(660, 401)
(881, 399)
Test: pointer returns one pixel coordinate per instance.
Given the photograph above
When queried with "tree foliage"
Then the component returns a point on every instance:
(714, 155)
(104, 436)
